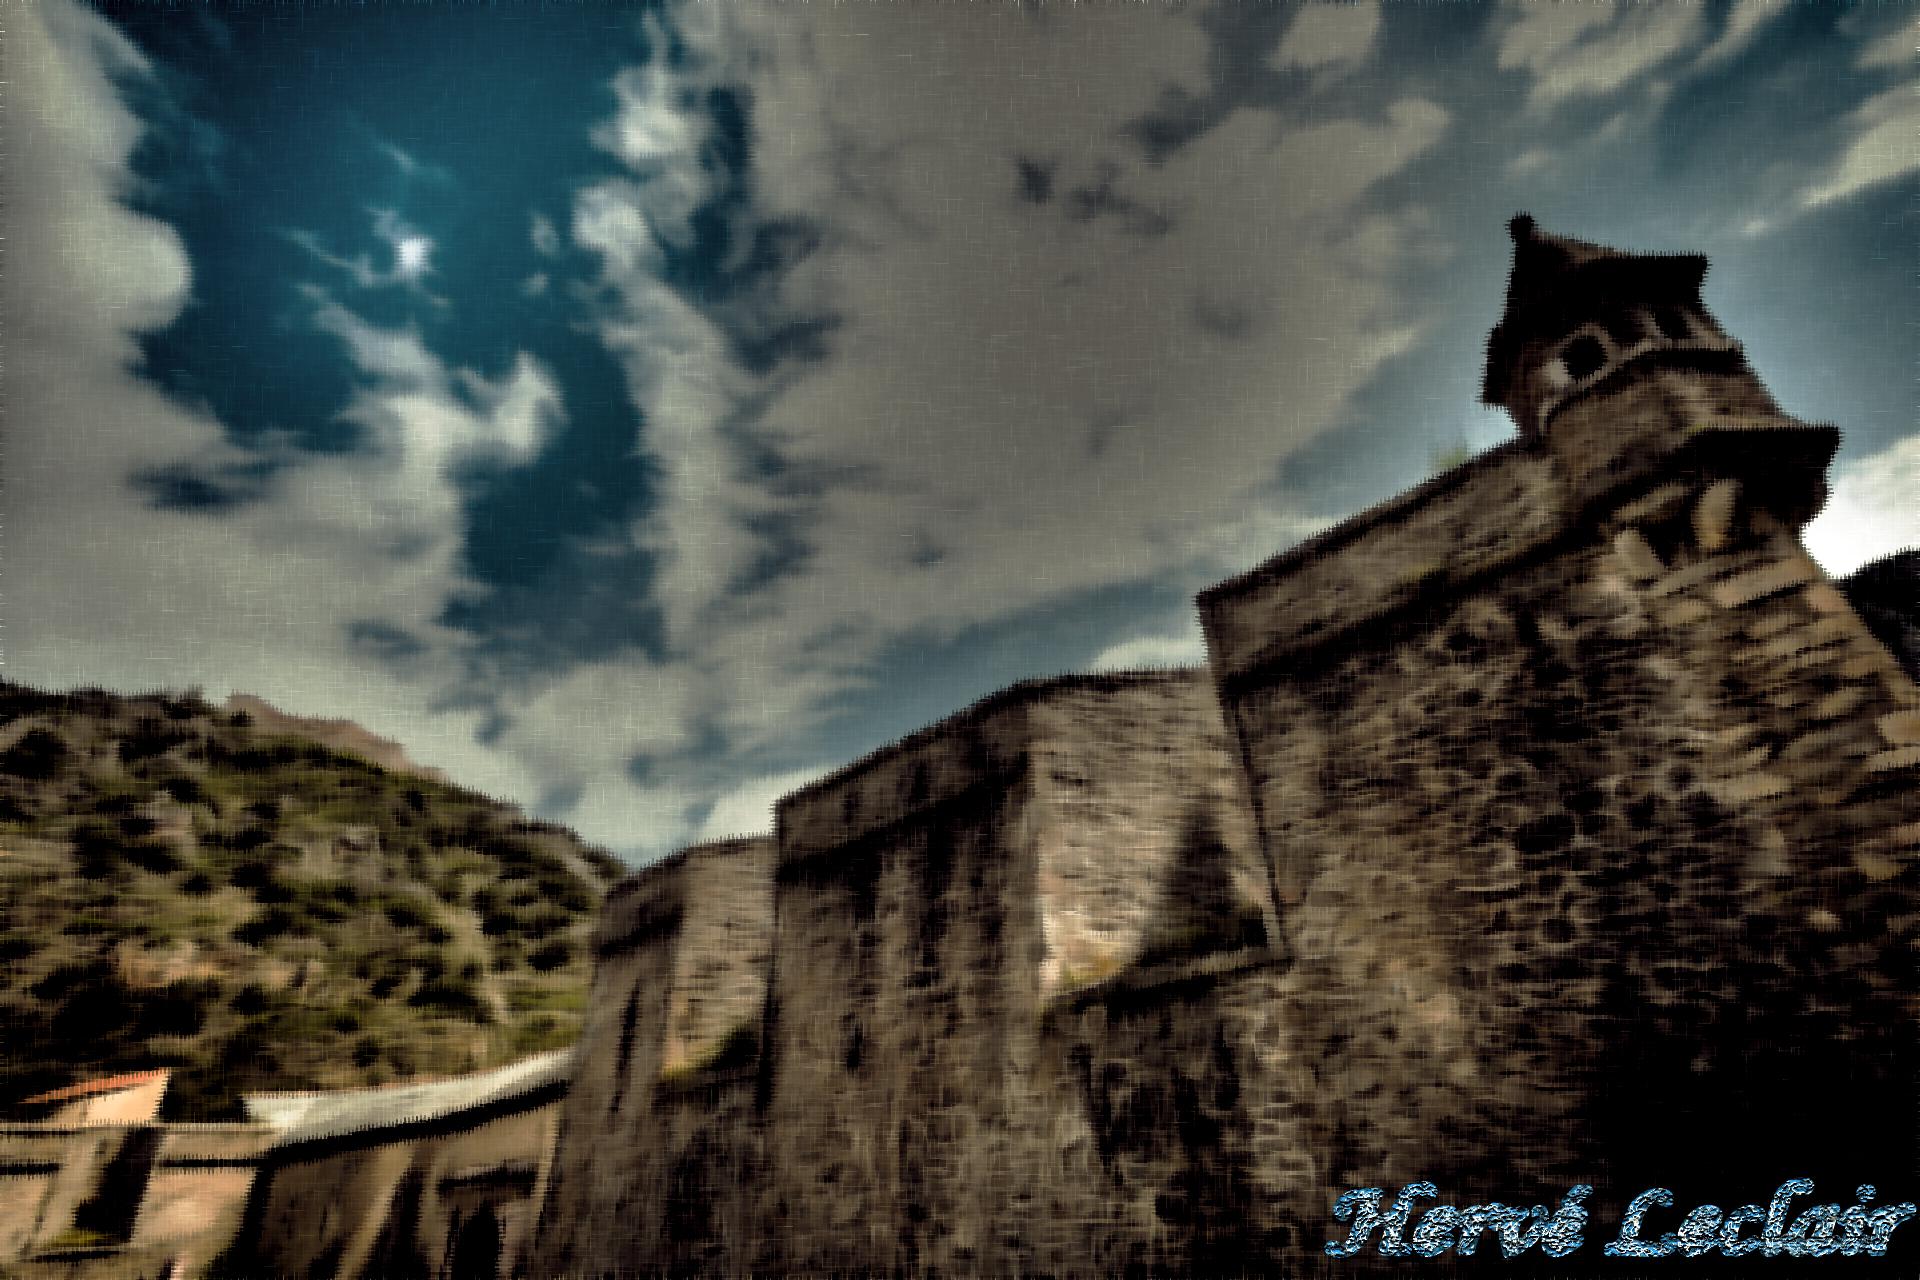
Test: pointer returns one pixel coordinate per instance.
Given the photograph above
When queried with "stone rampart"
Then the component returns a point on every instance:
(1625, 793)
(949, 910)
(674, 1021)
(1553, 823)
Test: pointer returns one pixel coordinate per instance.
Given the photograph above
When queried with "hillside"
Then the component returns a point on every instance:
(209, 889)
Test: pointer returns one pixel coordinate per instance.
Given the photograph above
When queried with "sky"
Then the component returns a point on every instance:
(638, 411)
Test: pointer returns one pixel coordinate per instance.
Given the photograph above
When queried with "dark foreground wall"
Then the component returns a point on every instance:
(1594, 807)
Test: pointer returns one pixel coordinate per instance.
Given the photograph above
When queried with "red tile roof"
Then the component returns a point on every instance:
(105, 1084)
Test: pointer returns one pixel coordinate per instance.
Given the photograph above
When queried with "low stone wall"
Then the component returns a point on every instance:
(393, 1202)
(123, 1199)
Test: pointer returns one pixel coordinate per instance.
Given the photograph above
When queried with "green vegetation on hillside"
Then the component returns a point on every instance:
(259, 911)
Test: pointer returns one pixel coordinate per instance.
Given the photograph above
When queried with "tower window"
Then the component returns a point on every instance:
(1623, 327)
(1672, 324)
(1583, 356)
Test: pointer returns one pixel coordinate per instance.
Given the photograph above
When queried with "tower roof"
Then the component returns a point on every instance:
(1558, 282)
(101, 1084)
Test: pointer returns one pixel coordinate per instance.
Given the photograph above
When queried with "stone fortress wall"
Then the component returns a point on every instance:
(1554, 822)
(1560, 827)
(657, 1121)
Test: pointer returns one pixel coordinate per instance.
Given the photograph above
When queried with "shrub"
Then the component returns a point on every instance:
(275, 922)
(150, 856)
(550, 956)
(37, 756)
(149, 738)
(450, 995)
(186, 790)
(403, 914)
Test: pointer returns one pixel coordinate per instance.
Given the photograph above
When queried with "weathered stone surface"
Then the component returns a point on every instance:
(935, 901)
(1714, 514)
(1561, 828)
(1535, 806)
(674, 1019)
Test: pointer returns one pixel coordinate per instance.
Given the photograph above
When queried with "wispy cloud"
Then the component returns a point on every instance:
(1879, 148)
(412, 166)
(407, 260)
(1577, 50)
(1005, 415)
(1743, 24)
(1328, 33)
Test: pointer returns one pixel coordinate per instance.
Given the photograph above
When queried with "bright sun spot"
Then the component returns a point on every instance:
(411, 255)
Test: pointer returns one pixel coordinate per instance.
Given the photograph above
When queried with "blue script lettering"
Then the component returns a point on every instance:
(1819, 1231)
(1443, 1227)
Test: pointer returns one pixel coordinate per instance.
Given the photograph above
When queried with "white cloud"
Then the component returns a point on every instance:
(546, 239)
(657, 132)
(1186, 649)
(1744, 22)
(748, 809)
(1326, 32)
(423, 426)
(1576, 48)
(1882, 147)
(1899, 47)
(1530, 162)
(1021, 402)
(1874, 510)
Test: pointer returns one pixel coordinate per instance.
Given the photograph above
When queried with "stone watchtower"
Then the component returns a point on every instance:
(1592, 804)
(1612, 362)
